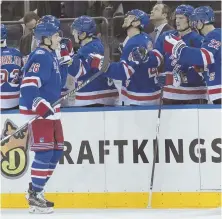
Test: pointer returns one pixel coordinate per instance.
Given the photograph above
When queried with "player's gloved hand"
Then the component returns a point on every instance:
(140, 55)
(95, 61)
(164, 79)
(173, 45)
(42, 107)
(66, 51)
(17, 78)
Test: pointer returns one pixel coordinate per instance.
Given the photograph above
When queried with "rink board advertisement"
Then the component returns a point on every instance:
(108, 156)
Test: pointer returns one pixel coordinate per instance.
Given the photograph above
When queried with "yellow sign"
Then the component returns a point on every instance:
(14, 156)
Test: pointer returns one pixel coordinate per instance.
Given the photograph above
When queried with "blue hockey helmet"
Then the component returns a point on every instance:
(50, 19)
(3, 32)
(185, 10)
(45, 29)
(205, 14)
(142, 16)
(84, 24)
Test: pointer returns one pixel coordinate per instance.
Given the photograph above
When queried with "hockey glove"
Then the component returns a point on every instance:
(96, 61)
(42, 107)
(164, 79)
(173, 45)
(140, 55)
(66, 51)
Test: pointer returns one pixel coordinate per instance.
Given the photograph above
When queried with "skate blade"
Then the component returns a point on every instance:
(38, 210)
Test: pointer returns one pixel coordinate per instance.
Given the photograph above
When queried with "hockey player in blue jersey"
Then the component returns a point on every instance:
(208, 56)
(11, 64)
(102, 90)
(192, 87)
(64, 52)
(41, 86)
(139, 87)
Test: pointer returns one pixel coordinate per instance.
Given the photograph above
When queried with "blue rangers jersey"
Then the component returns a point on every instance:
(209, 56)
(41, 79)
(100, 91)
(139, 87)
(62, 68)
(11, 63)
(192, 85)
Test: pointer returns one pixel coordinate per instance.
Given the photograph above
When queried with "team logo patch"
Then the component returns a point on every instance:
(214, 44)
(14, 152)
(40, 52)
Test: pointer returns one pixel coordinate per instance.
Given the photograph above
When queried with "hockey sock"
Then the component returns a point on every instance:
(53, 162)
(39, 170)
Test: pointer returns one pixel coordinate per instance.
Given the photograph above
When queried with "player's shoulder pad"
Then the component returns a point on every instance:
(143, 35)
(96, 40)
(39, 52)
(15, 51)
(196, 36)
(84, 51)
(168, 32)
(215, 34)
(40, 55)
(146, 36)
(97, 46)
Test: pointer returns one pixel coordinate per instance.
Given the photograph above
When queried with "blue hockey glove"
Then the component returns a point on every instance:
(140, 55)
(164, 79)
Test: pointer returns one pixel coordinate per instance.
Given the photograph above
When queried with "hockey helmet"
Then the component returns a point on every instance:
(50, 19)
(186, 10)
(141, 16)
(45, 29)
(205, 14)
(84, 24)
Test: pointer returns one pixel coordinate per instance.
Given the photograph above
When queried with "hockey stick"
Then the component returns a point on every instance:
(177, 79)
(104, 68)
(156, 146)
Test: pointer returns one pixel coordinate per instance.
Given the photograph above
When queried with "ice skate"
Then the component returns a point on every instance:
(37, 202)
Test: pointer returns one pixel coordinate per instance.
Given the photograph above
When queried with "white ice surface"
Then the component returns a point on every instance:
(117, 214)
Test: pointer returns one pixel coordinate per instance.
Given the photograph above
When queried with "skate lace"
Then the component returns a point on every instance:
(40, 196)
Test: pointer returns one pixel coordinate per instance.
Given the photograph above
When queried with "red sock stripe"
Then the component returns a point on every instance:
(39, 173)
(50, 172)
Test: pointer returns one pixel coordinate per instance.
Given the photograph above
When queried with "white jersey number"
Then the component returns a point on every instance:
(6, 76)
(152, 72)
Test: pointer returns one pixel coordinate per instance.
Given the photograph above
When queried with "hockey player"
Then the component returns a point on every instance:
(64, 52)
(11, 63)
(191, 88)
(139, 87)
(41, 86)
(209, 55)
(102, 90)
